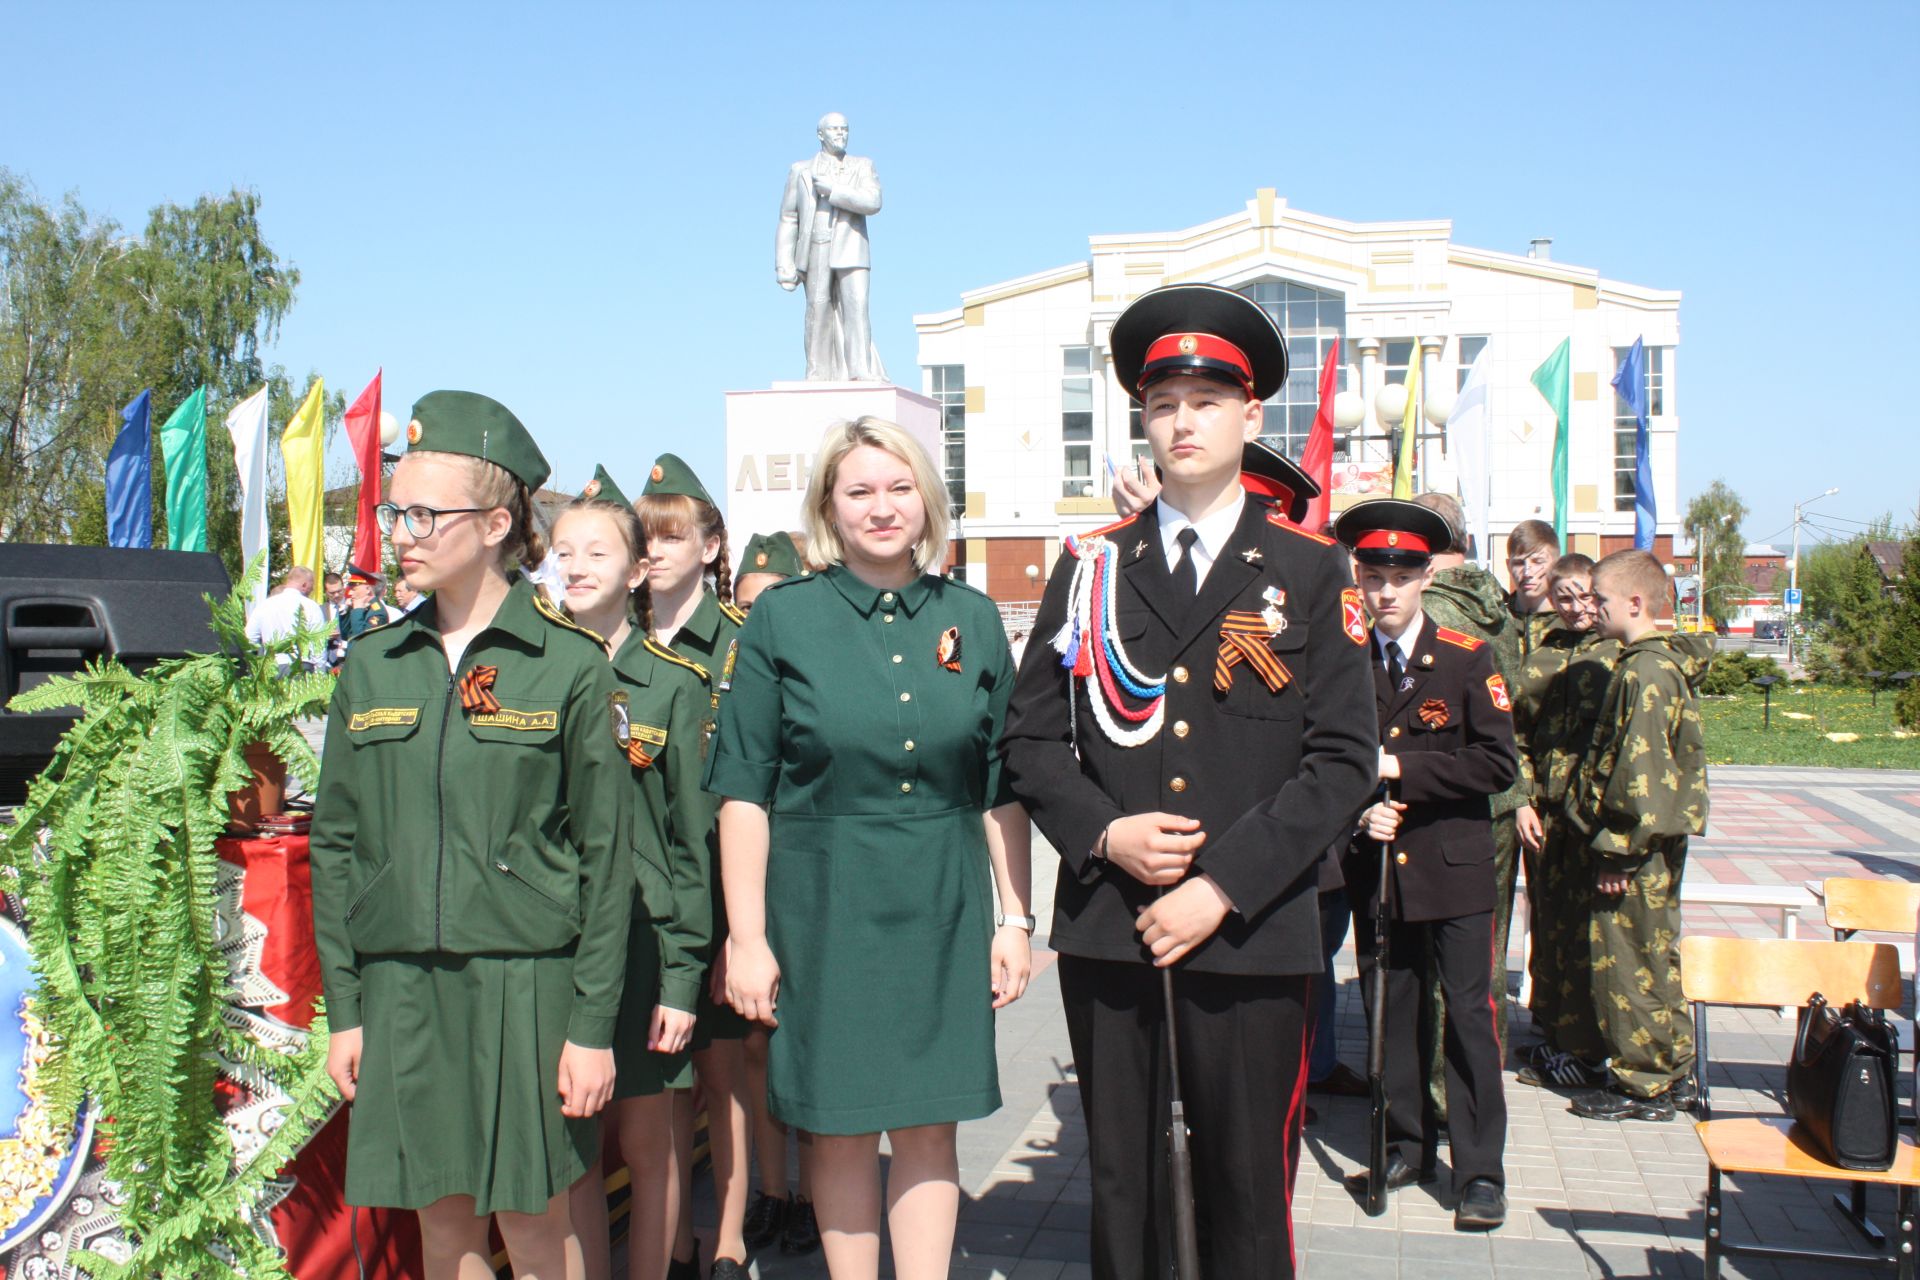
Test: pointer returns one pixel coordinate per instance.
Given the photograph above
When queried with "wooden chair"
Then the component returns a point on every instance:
(1769, 973)
(1874, 906)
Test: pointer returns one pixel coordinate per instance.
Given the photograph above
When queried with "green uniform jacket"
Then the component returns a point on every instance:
(1644, 780)
(356, 622)
(1468, 599)
(437, 830)
(668, 705)
(1563, 688)
(707, 641)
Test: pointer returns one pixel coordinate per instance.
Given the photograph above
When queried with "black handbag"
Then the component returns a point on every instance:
(1840, 1083)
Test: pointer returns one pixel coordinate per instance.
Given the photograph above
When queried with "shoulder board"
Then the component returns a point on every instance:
(1281, 522)
(1459, 638)
(544, 607)
(1114, 527)
(733, 615)
(665, 654)
(391, 622)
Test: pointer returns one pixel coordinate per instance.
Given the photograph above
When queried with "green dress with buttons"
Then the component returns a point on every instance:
(707, 640)
(667, 951)
(868, 721)
(471, 899)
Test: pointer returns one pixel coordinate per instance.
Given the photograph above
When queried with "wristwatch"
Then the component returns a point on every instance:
(1028, 923)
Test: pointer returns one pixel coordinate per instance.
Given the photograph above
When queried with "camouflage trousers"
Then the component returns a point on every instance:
(1560, 896)
(1506, 855)
(1635, 943)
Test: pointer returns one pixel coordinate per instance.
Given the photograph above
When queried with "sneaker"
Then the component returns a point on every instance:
(1561, 1071)
(803, 1233)
(1613, 1104)
(766, 1219)
(1483, 1207)
(1536, 1055)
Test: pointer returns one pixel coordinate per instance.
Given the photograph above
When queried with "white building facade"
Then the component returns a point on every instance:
(1033, 419)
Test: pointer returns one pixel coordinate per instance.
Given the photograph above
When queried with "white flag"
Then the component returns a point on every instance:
(1468, 431)
(247, 424)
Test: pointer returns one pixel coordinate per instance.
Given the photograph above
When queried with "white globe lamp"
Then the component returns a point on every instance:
(1390, 406)
(1438, 405)
(389, 429)
(1349, 410)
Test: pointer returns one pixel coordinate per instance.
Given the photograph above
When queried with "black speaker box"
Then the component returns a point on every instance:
(62, 607)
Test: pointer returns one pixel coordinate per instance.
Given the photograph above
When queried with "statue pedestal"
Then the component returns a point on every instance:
(772, 436)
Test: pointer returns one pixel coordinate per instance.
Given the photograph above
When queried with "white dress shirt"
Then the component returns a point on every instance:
(1407, 640)
(1213, 531)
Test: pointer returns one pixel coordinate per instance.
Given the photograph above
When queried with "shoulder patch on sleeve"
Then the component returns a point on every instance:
(1353, 615)
(1279, 521)
(1460, 638)
(1115, 527)
(733, 614)
(544, 607)
(665, 654)
(1497, 690)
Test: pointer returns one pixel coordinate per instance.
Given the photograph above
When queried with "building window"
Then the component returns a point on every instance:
(1624, 450)
(1311, 321)
(1076, 422)
(947, 385)
(1137, 443)
(1471, 345)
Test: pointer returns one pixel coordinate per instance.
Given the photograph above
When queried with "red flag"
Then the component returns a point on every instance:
(1317, 458)
(363, 430)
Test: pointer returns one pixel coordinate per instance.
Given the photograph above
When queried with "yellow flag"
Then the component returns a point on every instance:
(1403, 466)
(302, 445)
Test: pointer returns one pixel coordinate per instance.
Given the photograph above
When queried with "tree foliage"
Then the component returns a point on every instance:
(1720, 547)
(114, 857)
(90, 315)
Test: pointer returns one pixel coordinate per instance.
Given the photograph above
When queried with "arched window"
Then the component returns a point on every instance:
(1311, 320)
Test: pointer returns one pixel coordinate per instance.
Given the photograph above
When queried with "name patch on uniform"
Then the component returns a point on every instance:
(524, 721)
(649, 734)
(382, 717)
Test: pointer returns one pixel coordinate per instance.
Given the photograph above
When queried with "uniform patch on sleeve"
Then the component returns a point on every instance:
(1497, 688)
(1353, 615)
(617, 716)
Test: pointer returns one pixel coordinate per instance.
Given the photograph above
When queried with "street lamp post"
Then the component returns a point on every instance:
(1793, 567)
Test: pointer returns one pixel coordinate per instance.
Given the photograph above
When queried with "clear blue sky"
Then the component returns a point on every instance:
(571, 207)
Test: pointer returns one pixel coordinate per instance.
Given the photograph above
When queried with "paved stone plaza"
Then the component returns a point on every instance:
(1586, 1197)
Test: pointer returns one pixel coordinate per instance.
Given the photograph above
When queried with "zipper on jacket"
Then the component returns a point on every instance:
(440, 814)
(529, 886)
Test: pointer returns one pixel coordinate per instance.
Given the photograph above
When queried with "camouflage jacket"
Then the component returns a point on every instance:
(1643, 782)
(1468, 598)
(1556, 703)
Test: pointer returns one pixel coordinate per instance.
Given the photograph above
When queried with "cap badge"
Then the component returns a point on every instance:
(760, 560)
(592, 490)
(659, 473)
(413, 432)
(1189, 345)
(1393, 539)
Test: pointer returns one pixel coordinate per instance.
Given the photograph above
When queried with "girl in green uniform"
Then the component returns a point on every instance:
(687, 545)
(865, 817)
(471, 888)
(600, 551)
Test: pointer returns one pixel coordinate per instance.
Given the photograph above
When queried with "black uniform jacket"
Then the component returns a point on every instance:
(1451, 725)
(1274, 776)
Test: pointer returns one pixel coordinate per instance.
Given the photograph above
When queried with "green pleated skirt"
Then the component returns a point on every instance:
(642, 1072)
(459, 1083)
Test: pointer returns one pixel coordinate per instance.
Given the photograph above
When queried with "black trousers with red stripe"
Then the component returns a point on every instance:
(1460, 949)
(1243, 1065)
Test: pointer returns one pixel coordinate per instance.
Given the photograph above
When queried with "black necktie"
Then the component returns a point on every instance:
(1186, 579)
(1396, 669)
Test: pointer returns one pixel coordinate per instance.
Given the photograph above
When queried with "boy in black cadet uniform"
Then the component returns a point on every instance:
(1190, 730)
(1446, 745)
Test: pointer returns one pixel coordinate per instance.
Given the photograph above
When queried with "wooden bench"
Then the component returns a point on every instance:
(1771, 973)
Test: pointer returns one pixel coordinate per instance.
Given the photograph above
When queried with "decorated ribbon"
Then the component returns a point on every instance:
(1243, 638)
(476, 690)
(947, 652)
(1090, 648)
(1433, 713)
(637, 753)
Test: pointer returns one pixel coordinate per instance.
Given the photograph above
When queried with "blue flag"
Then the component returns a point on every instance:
(1631, 383)
(130, 477)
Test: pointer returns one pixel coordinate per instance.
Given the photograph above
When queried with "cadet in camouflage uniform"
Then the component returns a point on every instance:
(1636, 797)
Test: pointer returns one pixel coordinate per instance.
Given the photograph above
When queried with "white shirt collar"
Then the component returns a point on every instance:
(1213, 530)
(1408, 640)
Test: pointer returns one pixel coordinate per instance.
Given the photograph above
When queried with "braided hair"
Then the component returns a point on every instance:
(662, 514)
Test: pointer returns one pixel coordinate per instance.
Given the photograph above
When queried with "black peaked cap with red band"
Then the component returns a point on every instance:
(1199, 330)
(1393, 532)
(1265, 472)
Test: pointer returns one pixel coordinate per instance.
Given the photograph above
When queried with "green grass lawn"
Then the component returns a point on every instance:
(1803, 716)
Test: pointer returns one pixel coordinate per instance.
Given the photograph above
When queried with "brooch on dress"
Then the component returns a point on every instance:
(947, 653)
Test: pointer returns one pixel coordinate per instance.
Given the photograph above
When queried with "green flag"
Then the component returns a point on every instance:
(183, 444)
(1553, 380)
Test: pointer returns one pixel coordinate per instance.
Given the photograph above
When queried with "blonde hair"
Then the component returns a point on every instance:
(492, 485)
(1639, 572)
(823, 540)
(664, 514)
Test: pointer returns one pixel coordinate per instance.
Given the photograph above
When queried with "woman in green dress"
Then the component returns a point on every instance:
(471, 884)
(865, 819)
(600, 552)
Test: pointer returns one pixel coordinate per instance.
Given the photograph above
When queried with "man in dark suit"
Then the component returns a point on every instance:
(1190, 729)
(1446, 746)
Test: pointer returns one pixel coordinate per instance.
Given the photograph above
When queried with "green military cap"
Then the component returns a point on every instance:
(480, 427)
(602, 488)
(671, 476)
(772, 553)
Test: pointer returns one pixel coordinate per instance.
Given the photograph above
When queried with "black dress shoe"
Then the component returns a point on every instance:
(1614, 1104)
(802, 1234)
(687, 1269)
(727, 1269)
(1341, 1082)
(766, 1219)
(1482, 1207)
(1684, 1094)
(1399, 1174)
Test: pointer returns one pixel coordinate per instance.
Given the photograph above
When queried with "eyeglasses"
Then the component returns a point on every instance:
(420, 520)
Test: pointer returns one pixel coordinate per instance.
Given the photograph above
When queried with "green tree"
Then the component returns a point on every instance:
(1898, 646)
(1720, 548)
